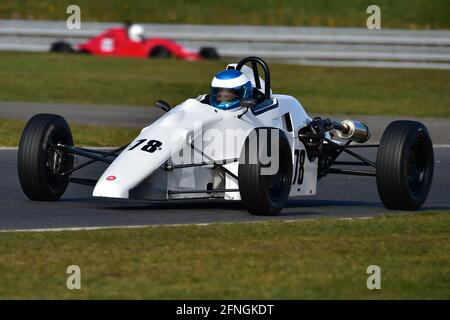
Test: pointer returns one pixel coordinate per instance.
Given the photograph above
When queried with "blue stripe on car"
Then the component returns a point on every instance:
(265, 106)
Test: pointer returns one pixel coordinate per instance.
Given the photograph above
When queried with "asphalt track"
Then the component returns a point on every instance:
(338, 196)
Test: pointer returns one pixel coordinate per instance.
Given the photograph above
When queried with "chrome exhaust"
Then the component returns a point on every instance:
(353, 130)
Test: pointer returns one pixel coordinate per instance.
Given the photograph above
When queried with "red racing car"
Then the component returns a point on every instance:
(130, 42)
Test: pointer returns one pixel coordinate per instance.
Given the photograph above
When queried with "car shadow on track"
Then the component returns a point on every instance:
(331, 203)
(295, 207)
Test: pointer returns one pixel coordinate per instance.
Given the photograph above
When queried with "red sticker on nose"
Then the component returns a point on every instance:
(110, 178)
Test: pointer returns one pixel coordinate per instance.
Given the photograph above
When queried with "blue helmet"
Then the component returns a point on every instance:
(228, 88)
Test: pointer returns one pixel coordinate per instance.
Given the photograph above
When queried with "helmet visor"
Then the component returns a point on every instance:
(225, 98)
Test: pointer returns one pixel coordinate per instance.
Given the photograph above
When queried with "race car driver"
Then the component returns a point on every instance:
(228, 88)
(136, 33)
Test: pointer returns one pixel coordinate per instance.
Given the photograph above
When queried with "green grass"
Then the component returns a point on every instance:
(82, 79)
(321, 259)
(10, 131)
(344, 13)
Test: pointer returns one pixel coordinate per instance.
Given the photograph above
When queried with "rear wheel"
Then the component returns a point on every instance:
(61, 46)
(405, 163)
(160, 52)
(39, 165)
(262, 193)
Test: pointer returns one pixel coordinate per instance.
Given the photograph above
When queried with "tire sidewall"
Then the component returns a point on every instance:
(37, 183)
(254, 187)
(411, 138)
(282, 199)
(53, 128)
(392, 170)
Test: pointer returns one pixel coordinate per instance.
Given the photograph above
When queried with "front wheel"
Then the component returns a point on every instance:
(405, 163)
(265, 181)
(39, 164)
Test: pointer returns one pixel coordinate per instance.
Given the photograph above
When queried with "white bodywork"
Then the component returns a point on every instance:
(220, 134)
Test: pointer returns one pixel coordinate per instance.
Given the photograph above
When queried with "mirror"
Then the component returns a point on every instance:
(163, 105)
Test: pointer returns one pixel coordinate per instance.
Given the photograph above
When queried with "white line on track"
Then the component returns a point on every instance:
(169, 225)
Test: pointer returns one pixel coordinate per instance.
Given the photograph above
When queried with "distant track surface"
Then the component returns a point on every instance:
(387, 48)
(338, 196)
(128, 116)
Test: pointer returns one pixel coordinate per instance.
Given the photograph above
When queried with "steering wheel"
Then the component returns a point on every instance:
(255, 61)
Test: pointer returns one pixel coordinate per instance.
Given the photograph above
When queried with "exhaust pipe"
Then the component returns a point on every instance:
(357, 131)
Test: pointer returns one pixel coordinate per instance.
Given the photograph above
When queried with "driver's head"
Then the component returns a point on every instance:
(228, 88)
(136, 33)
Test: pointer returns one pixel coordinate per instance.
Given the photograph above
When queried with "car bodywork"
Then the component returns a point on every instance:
(192, 121)
(196, 151)
(115, 42)
(183, 120)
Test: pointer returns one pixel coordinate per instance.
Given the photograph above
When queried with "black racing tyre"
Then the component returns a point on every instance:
(160, 52)
(265, 194)
(208, 53)
(61, 46)
(38, 164)
(405, 163)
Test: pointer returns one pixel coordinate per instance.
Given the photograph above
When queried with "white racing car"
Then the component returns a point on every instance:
(239, 142)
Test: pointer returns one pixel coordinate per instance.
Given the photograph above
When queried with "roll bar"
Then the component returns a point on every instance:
(255, 61)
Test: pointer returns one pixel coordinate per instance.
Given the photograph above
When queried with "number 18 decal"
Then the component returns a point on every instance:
(299, 166)
(151, 146)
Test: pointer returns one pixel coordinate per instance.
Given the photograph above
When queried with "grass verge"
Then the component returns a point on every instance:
(344, 13)
(82, 79)
(98, 136)
(320, 259)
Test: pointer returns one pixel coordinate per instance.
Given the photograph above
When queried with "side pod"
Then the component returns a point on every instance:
(154, 146)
